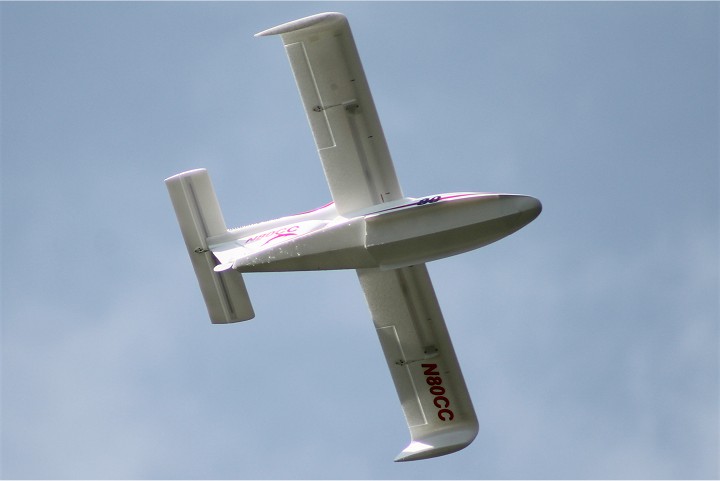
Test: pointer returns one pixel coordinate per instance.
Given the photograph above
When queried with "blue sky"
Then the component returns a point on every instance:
(589, 339)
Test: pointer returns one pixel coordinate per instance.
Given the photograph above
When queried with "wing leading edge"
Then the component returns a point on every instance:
(422, 361)
(341, 111)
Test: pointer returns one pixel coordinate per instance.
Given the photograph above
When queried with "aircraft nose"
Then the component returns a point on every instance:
(530, 206)
(525, 208)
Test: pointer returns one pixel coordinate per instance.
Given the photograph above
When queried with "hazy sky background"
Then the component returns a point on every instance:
(589, 339)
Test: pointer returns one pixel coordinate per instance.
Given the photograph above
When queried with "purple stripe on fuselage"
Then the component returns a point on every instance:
(420, 202)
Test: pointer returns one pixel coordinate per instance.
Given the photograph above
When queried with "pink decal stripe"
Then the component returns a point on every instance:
(277, 236)
(316, 209)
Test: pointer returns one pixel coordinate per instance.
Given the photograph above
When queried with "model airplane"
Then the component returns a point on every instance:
(370, 226)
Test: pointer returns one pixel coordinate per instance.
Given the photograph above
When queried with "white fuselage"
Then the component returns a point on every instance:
(391, 235)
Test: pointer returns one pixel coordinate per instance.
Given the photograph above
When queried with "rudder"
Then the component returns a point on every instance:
(199, 216)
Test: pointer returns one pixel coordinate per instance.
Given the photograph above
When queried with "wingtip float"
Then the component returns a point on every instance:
(318, 21)
(370, 226)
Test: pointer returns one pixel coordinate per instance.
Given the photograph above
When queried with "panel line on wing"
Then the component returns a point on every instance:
(412, 407)
(304, 74)
(370, 180)
(419, 315)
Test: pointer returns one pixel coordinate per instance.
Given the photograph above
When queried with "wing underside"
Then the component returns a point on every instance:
(422, 361)
(341, 111)
(360, 174)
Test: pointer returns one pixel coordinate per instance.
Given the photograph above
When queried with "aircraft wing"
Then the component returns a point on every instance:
(340, 110)
(422, 361)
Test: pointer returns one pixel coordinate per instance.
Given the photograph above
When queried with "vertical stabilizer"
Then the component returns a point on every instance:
(199, 216)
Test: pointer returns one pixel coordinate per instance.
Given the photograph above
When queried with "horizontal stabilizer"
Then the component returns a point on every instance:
(199, 216)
